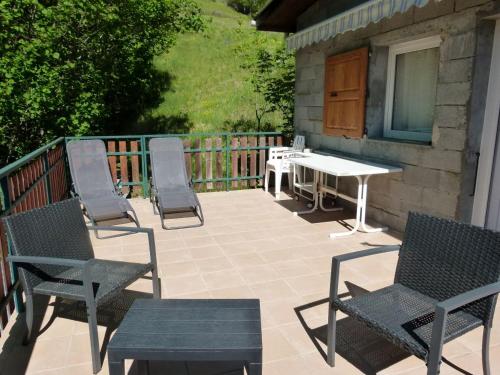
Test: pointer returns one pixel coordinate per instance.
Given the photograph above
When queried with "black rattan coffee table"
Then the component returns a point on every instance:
(189, 330)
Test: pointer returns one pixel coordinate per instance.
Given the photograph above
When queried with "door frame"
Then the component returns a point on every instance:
(489, 135)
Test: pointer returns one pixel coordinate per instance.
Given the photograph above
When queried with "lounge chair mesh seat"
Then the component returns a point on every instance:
(52, 250)
(446, 284)
(93, 185)
(171, 188)
(176, 199)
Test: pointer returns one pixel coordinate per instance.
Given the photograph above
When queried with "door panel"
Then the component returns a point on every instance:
(345, 94)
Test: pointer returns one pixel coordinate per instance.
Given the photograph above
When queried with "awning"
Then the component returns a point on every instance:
(355, 18)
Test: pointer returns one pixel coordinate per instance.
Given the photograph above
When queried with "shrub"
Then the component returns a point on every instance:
(70, 67)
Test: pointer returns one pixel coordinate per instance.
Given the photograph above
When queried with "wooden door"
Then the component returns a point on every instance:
(345, 94)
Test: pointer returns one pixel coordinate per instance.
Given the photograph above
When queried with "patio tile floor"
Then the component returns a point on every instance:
(250, 247)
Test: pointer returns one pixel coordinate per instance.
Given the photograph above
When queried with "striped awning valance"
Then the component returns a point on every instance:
(355, 18)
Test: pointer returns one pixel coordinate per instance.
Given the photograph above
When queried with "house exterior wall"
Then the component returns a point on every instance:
(437, 178)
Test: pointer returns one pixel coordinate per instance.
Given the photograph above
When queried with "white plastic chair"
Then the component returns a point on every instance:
(278, 163)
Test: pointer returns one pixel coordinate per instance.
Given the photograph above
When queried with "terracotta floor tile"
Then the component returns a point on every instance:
(249, 247)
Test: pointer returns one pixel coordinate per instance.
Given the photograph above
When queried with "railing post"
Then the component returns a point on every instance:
(228, 153)
(18, 300)
(144, 156)
(46, 168)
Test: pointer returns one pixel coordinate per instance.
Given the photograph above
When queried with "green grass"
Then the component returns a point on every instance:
(208, 87)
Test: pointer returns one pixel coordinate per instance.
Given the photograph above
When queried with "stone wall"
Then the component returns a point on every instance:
(434, 175)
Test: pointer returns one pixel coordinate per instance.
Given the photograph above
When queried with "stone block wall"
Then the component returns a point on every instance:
(433, 174)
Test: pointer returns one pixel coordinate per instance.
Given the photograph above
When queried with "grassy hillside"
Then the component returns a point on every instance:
(207, 86)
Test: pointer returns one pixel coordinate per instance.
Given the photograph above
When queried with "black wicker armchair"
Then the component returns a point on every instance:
(446, 284)
(53, 253)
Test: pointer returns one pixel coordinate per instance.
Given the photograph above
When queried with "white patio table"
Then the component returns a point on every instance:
(324, 165)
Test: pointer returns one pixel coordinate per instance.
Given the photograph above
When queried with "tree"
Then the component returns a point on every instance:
(251, 7)
(70, 67)
(272, 74)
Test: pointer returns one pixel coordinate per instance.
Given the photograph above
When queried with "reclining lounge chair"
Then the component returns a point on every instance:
(171, 189)
(93, 185)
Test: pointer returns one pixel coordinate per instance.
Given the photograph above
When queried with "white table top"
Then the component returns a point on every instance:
(337, 166)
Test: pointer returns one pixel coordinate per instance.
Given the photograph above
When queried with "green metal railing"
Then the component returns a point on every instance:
(226, 150)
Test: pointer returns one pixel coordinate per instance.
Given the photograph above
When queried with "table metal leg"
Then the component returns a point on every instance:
(360, 206)
(321, 196)
(316, 197)
(363, 212)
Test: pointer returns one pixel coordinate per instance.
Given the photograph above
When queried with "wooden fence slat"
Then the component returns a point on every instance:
(243, 161)
(23, 177)
(262, 159)
(208, 163)
(279, 141)
(187, 157)
(219, 162)
(112, 160)
(234, 161)
(198, 169)
(43, 185)
(134, 147)
(123, 166)
(253, 160)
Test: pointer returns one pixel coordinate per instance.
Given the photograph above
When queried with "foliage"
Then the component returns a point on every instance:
(81, 67)
(209, 90)
(272, 74)
(251, 7)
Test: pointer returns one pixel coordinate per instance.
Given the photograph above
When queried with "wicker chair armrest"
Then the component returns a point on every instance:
(470, 296)
(148, 231)
(441, 317)
(47, 261)
(367, 252)
(337, 260)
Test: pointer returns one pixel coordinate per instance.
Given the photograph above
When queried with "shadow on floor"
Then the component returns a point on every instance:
(318, 216)
(356, 343)
(15, 356)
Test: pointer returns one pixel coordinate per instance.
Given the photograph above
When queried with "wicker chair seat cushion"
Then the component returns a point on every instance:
(404, 317)
(109, 277)
(107, 208)
(178, 198)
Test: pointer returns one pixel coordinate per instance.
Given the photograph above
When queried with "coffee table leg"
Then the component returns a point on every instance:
(143, 367)
(254, 368)
(116, 367)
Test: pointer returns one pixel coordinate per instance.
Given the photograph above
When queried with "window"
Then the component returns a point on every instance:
(412, 73)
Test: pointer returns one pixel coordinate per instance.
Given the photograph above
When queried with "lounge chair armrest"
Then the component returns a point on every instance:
(337, 260)
(120, 229)
(47, 260)
(148, 231)
(468, 297)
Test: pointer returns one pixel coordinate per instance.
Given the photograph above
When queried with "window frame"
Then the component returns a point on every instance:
(394, 51)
